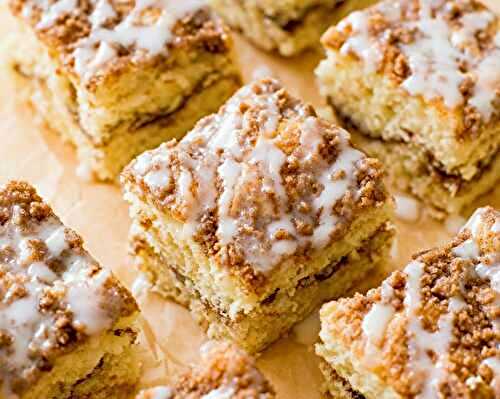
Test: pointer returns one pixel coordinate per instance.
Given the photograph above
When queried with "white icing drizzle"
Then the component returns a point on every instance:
(239, 166)
(333, 190)
(375, 324)
(157, 393)
(435, 55)
(139, 29)
(81, 297)
(220, 393)
(376, 321)
(56, 243)
(407, 208)
(360, 41)
(434, 64)
(471, 24)
(420, 341)
(19, 315)
(488, 267)
(54, 11)
(488, 78)
(467, 250)
(229, 173)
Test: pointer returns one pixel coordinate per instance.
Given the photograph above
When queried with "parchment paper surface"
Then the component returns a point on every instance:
(171, 339)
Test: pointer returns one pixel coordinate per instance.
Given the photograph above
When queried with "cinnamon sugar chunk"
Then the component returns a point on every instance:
(225, 372)
(431, 49)
(431, 330)
(53, 295)
(263, 180)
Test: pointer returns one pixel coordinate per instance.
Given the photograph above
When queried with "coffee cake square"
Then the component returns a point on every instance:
(66, 324)
(116, 78)
(225, 372)
(430, 331)
(420, 82)
(257, 216)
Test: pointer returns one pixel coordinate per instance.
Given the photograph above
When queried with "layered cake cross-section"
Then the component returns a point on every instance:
(66, 324)
(420, 82)
(430, 331)
(257, 216)
(225, 372)
(287, 26)
(116, 78)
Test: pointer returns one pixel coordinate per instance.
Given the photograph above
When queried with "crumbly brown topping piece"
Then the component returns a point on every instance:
(432, 330)
(447, 50)
(226, 372)
(262, 181)
(95, 37)
(53, 295)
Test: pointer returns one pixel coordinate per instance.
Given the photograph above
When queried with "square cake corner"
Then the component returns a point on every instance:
(67, 326)
(429, 330)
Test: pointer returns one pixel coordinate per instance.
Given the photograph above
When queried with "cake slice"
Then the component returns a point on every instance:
(288, 26)
(66, 324)
(420, 82)
(226, 372)
(430, 331)
(118, 77)
(258, 215)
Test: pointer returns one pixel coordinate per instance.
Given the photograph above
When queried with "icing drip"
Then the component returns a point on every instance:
(407, 208)
(138, 29)
(421, 342)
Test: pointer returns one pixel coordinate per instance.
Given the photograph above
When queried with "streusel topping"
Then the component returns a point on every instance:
(53, 295)
(262, 180)
(225, 373)
(439, 49)
(94, 36)
(432, 330)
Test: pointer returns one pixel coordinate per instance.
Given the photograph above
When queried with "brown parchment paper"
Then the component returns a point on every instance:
(171, 339)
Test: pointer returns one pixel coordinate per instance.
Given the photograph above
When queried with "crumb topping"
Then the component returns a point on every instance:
(53, 295)
(262, 180)
(94, 36)
(439, 49)
(226, 373)
(432, 330)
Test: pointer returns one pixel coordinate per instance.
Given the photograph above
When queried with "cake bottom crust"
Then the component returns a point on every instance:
(277, 314)
(288, 38)
(412, 171)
